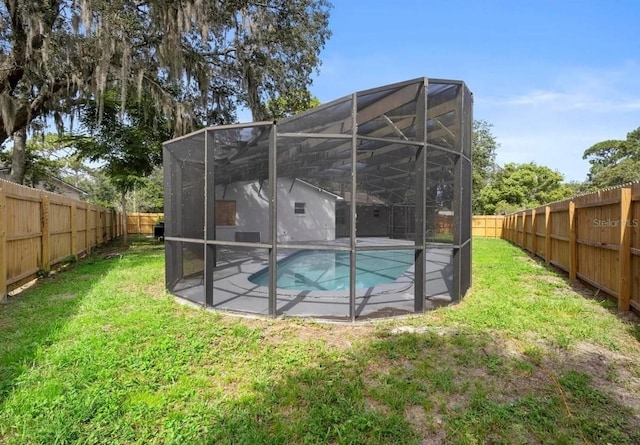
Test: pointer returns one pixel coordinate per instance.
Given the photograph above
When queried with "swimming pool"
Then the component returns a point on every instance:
(329, 270)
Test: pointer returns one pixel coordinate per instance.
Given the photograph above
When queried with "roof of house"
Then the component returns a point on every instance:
(63, 183)
(364, 198)
(57, 183)
(319, 189)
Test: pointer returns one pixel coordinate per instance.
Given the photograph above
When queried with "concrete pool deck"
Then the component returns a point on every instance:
(234, 292)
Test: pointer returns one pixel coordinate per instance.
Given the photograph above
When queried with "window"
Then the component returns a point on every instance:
(225, 213)
(376, 213)
(300, 208)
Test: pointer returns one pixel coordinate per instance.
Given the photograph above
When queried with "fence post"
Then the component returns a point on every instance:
(139, 218)
(511, 229)
(99, 227)
(46, 235)
(524, 230)
(3, 246)
(547, 234)
(74, 229)
(624, 283)
(505, 228)
(107, 227)
(94, 216)
(573, 246)
(534, 237)
(87, 228)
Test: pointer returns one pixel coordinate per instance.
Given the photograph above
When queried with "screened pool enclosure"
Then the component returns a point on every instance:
(358, 208)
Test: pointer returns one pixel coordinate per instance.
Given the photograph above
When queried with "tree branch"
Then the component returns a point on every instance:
(27, 112)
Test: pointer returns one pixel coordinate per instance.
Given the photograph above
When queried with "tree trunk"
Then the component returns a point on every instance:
(19, 157)
(123, 202)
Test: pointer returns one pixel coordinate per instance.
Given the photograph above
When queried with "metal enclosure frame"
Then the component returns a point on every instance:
(406, 145)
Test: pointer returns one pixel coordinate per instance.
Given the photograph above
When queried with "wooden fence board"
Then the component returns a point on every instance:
(634, 299)
(81, 228)
(45, 240)
(539, 228)
(38, 229)
(560, 234)
(487, 226)
(484, 226)
(142, 223)
(3, 246)
(92, 227)
(624, 255)
(594, 237)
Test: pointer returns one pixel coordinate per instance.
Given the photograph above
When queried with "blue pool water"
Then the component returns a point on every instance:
(329, 270)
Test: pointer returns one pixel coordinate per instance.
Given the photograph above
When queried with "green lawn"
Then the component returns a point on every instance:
(101, 354)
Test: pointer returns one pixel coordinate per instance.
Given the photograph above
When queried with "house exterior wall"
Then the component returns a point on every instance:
(252, 211)
(367, 223)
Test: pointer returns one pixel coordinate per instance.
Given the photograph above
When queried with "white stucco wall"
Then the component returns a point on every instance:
(252, 211)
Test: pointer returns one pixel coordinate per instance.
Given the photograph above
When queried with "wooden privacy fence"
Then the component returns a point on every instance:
(594, 237)
(40, 229)
(485, 226)
(142, 223)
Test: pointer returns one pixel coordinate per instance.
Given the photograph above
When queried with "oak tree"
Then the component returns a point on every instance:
(614, 162)
(195, 60)
(484, 145)
(521, 186)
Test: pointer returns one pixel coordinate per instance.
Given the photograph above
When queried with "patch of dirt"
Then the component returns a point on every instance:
(612, 373)
(386, 313)
(376, 406)
(107, 328)
(628, 317)
(455, 402)
(155, 290)
(375, 369)
(428, 427)
(341, 337)
(527, 259)
(409, 330)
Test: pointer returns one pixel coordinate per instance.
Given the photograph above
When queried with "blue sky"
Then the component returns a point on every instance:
(553, 77)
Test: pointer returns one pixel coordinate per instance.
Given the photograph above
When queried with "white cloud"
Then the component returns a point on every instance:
(582, 89)
(551, 120)
(570, 101)
(536, 97)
